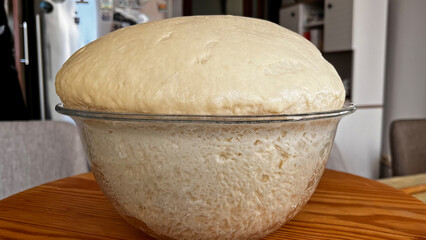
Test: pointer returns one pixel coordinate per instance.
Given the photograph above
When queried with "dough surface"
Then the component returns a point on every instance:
(209, 65)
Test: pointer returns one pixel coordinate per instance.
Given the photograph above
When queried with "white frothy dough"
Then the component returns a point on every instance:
(204, 181)
(208, 181)
(201, 65)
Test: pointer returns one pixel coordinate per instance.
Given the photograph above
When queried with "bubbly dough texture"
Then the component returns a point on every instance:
(201, 65)
(208, 181)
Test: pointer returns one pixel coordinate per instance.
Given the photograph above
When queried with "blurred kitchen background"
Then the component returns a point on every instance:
(378, 47)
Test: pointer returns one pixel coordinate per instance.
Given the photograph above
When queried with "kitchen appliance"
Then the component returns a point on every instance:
(64, 26)
(48, 32)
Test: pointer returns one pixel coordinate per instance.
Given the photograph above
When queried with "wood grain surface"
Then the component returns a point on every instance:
(344, 206)
(414, 185)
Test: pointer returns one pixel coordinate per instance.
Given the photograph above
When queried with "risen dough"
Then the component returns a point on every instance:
(200, 65)
(204, 180)
(192, 181)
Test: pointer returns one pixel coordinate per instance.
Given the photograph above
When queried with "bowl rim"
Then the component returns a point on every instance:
(347, 109)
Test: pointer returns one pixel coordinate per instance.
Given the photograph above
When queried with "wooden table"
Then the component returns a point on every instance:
(344, 206)
(415, 185)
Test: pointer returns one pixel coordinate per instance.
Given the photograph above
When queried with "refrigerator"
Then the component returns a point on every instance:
(48, 32)
(63, 27)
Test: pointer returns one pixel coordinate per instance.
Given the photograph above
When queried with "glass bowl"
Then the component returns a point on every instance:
(207, 177)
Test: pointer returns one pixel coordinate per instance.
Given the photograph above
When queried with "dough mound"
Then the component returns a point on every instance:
(212, 65)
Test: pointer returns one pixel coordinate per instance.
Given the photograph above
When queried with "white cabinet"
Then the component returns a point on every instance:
(293, 17)
(355, 42)
(359, 135)
(369, 49)
(358, 139)
(338, 25)
(359, 26)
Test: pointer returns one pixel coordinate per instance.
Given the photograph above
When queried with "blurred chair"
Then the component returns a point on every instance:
(36, 152)
(408, 146)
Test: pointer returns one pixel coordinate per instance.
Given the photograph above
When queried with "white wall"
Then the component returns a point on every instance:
(177, 7)
(358, 139)
(405, 89)
(359, 135)
(369, 44)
